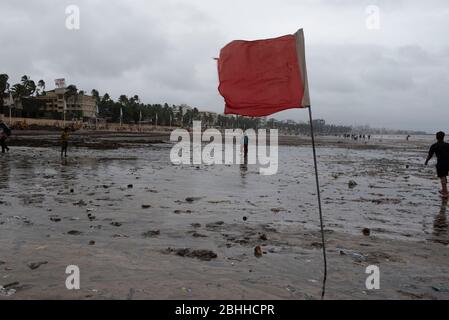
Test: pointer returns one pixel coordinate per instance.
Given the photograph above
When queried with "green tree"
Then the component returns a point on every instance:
(40, 88)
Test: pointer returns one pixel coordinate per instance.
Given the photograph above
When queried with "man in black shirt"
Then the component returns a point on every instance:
(441, 149)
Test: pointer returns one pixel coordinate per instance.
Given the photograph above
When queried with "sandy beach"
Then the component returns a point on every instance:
(140, 227)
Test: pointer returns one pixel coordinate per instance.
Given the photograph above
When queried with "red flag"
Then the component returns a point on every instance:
(259, 78)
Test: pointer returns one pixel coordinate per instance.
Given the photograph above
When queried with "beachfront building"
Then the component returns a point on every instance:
(208, 118)
(181, 109)
(78, 106)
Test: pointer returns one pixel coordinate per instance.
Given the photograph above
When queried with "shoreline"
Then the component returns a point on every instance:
(130, 139)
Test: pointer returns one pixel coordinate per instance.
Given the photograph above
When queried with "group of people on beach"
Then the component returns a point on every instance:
(5, 132)
(356, 137)
(440, 149)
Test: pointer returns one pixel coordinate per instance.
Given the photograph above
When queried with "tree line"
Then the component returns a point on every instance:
(130, 109)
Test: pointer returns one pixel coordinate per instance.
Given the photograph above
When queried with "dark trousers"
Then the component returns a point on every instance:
(64, 146)
(3, 144)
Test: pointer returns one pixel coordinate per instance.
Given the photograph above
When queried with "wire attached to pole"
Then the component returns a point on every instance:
(319, 204)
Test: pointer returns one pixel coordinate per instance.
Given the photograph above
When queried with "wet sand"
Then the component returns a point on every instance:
(124, 214)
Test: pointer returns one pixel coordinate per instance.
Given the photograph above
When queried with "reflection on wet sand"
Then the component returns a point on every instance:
(134, 222)
(440, 225)
(5, 172)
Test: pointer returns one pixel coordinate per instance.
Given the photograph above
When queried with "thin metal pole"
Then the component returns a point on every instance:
(319, 204)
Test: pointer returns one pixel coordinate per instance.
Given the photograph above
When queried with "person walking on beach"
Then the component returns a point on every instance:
(4, 133)
(441, 149)
(64, 141)
(245, 147)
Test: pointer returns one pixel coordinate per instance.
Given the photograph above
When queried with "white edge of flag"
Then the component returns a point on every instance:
(300, 49)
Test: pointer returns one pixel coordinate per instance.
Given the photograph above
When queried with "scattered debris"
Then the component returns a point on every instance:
(205, 255)
(258, 251)
(440, 289)
(151, 233)
(55, 219)
(35, 265)
(6, 292)
(80, 203)
(352, 184)
(74, 232)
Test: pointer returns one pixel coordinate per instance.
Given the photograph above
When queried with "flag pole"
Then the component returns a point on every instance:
(319, 204)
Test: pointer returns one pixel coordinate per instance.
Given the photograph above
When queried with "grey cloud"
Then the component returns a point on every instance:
(163, 50)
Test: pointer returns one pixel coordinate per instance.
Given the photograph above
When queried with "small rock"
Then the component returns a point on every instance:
(151, 233)
(245, 218)
(198, 235)
(130, 186)
(74, 232)
(91, 242)
(80, 203)
(366, 231)
(116, 224)
(263, 237)
(35, 265)
(352, 184)
(258, 251)
(146, 206)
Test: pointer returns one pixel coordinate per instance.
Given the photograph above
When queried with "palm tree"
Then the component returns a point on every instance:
(41, 87)
(123, 99)
(106, 98)
(96, 95)
(29, 85)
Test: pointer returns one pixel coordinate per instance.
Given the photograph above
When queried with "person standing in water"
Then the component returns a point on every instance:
(64, 141)
(245, 147)
(441, 149)
(4, 133)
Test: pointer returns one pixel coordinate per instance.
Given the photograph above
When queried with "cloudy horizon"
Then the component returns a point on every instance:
(392, 77)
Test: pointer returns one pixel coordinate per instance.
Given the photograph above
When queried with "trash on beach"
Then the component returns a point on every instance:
(440, 289)
(359, 257)
(6, 292)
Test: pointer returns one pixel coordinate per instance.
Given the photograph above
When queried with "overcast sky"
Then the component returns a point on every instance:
(394, 77)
